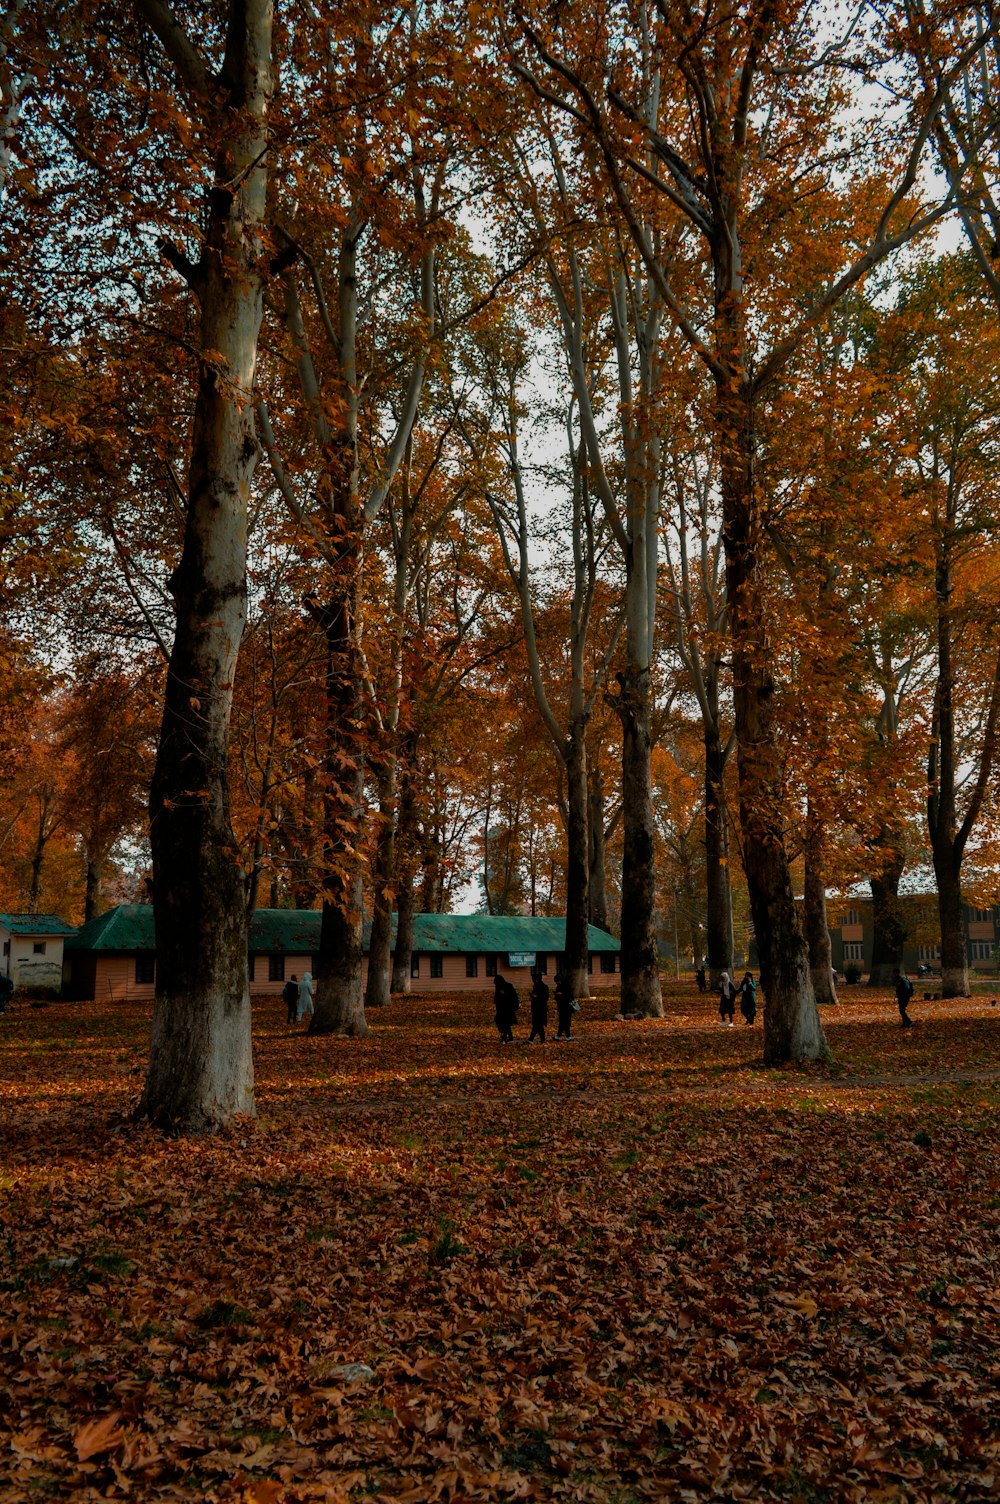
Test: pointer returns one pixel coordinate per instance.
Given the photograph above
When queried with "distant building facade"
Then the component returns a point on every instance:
(851, 933)
(114, 957)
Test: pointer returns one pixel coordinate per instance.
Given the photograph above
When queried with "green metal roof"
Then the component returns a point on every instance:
(293, 930)
(296, 931)
(126, 928)
(36, 924)
(494, 932)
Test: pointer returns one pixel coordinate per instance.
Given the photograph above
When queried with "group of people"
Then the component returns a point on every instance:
(729, 992)
(506, 1004)
(298, 997)
(747, 994)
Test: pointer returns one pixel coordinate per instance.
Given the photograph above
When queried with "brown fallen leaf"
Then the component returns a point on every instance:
(97, 1437)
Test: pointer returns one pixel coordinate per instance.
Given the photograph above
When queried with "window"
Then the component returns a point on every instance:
(929, 953)
(251, 966)
(6, 947)
(590, 963)
(276, 968)
(980, 950)
(607, 962)
(542, 963)
(854, 950)
(980, 916)
(472, 966)
(491, 966)
(39, 947)
(414, 963)
(145, 967)
(853, 916)
(437, 966)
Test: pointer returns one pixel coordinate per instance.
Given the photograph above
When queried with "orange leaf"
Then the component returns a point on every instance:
(98, 1436)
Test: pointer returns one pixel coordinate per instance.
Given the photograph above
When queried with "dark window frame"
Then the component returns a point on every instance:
(437, 967)
(276, 966)
(491, 966)
(471, 965)
(145, 968)
(415, 964)
(608, 959)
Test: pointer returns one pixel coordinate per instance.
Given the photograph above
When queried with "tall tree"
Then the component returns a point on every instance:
(739, 157)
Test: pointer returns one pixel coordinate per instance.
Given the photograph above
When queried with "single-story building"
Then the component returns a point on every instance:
(115, 956)
(31, 948)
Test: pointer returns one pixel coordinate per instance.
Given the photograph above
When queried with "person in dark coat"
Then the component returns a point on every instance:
(505, 1004)
(290, 993)
(701, 979)
(904, 992)
(565, 1006)
(748, 998)
(727, 999)
(539, 1007)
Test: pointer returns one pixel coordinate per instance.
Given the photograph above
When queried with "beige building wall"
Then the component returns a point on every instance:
(115, 977)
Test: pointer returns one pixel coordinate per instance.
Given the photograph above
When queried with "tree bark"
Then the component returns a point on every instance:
(200, 1072)
(339, 1005)
(407, 847)
(816, 928)
(92, 891)
(888, 923)
(377, 986)
(597, 886)
(639, 955)
(718, 906)
(577, 866)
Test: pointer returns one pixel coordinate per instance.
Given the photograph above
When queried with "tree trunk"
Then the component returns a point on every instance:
(597, 883)
(719, 907)
(816, 928)
(577, 867)
(407, 846)
(339, 1007)
(200, 1072)
(639, 957)
(954, 956)
(377, 987)
(38, 855)
(92, 892)
(402, 956)
(889, 924)
(792, 1028)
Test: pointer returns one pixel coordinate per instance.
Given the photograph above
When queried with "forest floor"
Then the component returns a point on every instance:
(636, 1267)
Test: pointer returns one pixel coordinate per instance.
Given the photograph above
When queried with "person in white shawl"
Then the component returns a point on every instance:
(306, 996)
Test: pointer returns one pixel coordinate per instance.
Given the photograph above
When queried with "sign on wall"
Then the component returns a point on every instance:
(520, 958)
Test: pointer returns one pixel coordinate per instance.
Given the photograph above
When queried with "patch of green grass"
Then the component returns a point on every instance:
(527, 1451)
(625, 1160)
(222, 1313)
(409, 1236)
(447, 1246)
(266, 1435)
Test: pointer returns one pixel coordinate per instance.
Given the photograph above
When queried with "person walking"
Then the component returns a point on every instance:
(290, 993)
(539, 1007)
(904, 992)
(505, 1005)
(701, 979)
(748, 998)
(305, 1009)
(727, 1000)
(566, 1006)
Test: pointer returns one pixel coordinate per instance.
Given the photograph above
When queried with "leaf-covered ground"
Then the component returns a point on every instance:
(638, 1266)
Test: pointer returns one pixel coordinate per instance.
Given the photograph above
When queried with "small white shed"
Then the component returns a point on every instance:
(31, 949)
